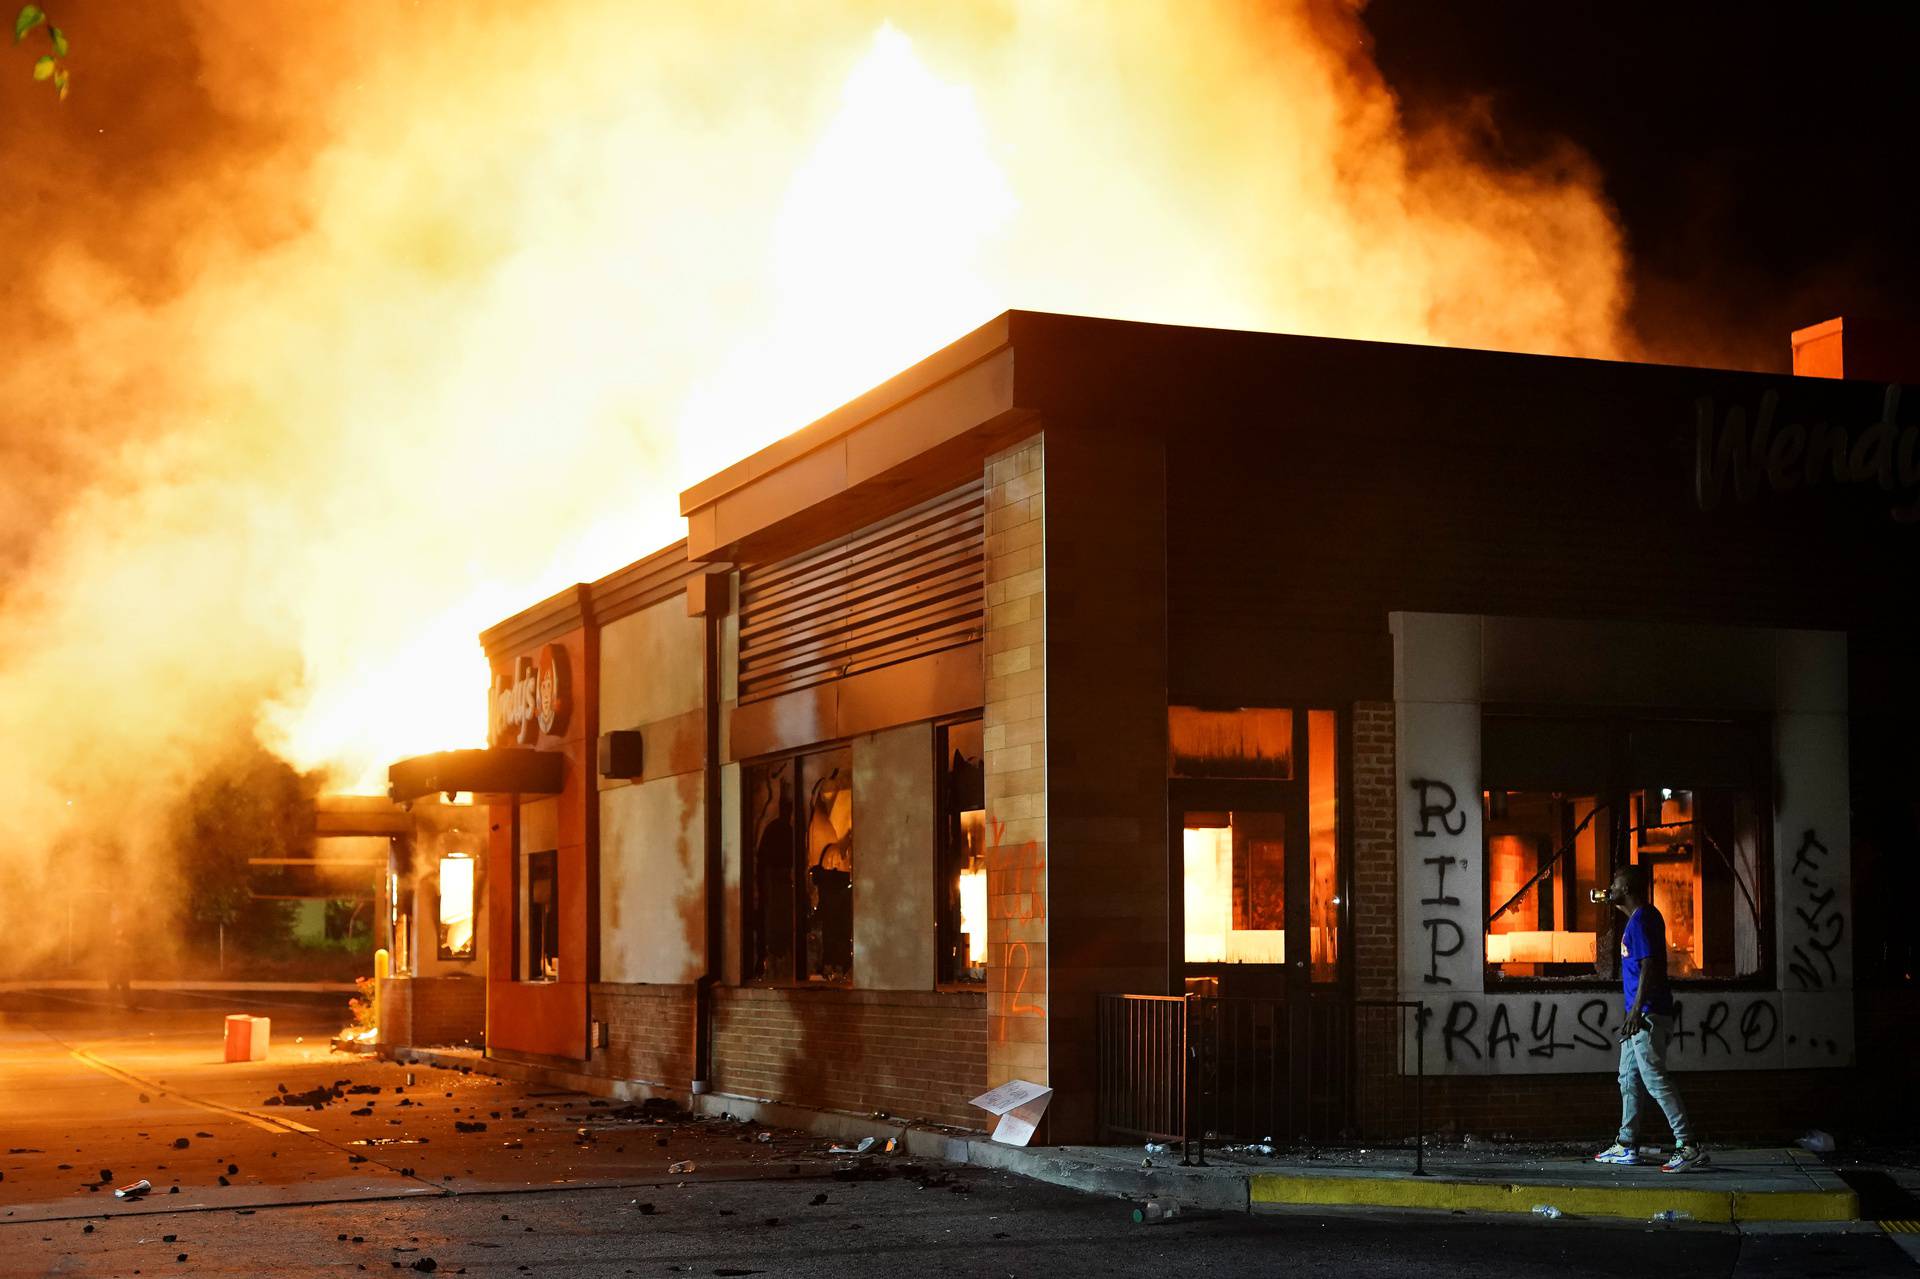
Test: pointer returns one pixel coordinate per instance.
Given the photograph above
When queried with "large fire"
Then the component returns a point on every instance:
(484, 285)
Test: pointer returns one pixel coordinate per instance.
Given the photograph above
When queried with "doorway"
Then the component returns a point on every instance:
(1258, 897)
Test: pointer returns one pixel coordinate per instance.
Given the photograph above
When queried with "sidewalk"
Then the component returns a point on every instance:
(1742, 1185)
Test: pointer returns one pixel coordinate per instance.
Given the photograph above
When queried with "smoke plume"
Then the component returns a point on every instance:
(336, 334)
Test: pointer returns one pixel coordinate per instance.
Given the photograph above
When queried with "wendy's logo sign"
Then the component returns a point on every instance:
(1782, 456)
(532, 698)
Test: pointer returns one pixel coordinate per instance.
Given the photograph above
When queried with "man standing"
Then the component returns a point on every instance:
(1643, 1035)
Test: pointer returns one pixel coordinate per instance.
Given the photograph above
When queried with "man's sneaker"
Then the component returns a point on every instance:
(1618, 1154)
(1686, 1159)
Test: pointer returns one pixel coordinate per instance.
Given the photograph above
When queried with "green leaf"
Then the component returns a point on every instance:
(59, 41)
(44, 67)
(30, 17)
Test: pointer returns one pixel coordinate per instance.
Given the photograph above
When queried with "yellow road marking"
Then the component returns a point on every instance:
(266, 1123)
(1903, 1226)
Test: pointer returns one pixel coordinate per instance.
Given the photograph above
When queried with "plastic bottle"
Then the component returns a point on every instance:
(1156, 1210)
(1671, 1215)
(685, 1165)
(1548, 1211)
(1156, 1147)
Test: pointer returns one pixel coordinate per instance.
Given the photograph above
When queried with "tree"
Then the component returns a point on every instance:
(252, 805)
(48, 66)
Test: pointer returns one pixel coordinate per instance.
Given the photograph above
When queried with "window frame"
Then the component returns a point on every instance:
(1616, 791)
(946, 929)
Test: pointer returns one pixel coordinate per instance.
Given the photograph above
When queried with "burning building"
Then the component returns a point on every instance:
(1091, 674)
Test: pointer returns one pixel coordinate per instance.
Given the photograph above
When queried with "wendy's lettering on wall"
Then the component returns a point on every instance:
(1439, 817)
(1762, 451)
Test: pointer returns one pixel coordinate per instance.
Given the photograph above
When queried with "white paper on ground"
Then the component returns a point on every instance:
(1019, 1104)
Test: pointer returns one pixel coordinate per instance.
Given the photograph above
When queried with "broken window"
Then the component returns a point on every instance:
(799, 886)
(963, 853)
(540, 916)
(456, 906)
(1553, 844)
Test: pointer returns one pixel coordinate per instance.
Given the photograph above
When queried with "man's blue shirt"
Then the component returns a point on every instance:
(1644, 937)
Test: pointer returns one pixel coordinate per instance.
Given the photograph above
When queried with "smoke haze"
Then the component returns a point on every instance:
(334, 335)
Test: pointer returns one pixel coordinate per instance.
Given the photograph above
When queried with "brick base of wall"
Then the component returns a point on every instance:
(649, 1033)
(433, 1012)
(1723, 1106)
(911, 1054)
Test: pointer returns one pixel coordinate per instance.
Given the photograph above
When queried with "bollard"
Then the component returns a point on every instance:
(382, 968)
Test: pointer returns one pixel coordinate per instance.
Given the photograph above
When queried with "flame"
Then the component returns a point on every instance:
(443, 312)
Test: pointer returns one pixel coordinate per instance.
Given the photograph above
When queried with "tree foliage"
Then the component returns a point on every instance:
(48, 66)
(253, 805)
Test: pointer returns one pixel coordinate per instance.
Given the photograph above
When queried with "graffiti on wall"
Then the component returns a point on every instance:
(1578, 1031)
(1814, 903)
(1015, 897)
(1439, 818)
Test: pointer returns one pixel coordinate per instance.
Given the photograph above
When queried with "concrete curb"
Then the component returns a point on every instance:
(1635, 1203)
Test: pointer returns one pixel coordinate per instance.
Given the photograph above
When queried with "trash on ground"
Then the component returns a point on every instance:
(133, 1191)
(685, 1165)
(859, 1148)
(1819, 1141)
(1019, 1103)
(1671, 1214)
(1156, 1210)
(1548, 1211)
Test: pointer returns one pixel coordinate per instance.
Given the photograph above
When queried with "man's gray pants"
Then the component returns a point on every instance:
(1643, 1073)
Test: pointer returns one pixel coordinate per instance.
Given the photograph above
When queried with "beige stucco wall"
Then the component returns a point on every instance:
(650, 665)
(652, 868)
(893, 822)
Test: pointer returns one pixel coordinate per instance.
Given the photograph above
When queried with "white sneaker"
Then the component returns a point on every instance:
(1686, 1159)
(1619, 1154)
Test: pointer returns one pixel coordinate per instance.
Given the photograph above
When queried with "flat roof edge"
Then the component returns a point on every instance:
(944, 364)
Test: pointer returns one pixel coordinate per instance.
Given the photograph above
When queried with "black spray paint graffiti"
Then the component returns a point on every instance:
(1445, 937)
(1816, 909)
(1462, 1038)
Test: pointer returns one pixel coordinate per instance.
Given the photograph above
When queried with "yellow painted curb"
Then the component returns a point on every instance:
(1628, 1202)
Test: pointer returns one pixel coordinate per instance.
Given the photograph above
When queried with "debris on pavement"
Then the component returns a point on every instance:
(685, 1165)
(133, 1191)
(1819, 1141)
(1548, 1211)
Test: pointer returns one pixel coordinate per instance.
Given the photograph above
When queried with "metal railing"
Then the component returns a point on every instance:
(1324, 1070)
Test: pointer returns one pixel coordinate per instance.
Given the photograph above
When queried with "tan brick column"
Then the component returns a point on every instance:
(1014, 727)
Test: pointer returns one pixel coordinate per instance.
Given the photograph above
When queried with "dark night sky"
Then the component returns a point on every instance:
(1762, 158)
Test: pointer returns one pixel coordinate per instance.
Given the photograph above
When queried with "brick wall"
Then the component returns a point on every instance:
(428, 1012)
(1376, 910)
(649, 1032)
(1014, 738)
(911, 1054)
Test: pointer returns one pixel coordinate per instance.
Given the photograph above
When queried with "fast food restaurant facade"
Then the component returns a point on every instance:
(1281, 671)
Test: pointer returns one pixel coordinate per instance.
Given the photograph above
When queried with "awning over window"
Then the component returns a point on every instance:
(505, 771)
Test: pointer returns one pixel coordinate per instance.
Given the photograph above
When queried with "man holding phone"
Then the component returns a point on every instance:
(1643, 1035)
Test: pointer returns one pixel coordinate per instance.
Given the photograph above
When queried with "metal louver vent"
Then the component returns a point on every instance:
(906, 587)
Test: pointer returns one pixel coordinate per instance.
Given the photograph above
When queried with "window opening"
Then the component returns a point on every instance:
(962, 854)
(456, 913)
(540, 916)
(799, 814)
